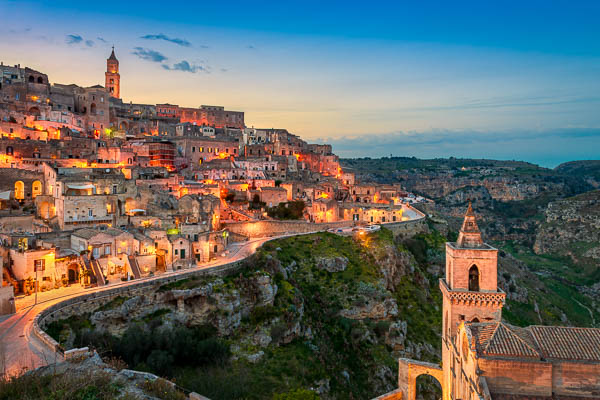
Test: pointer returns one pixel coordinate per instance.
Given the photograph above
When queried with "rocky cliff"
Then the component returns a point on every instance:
(571, 226)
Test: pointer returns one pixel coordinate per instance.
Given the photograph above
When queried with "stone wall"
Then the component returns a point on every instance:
(407, 228)
(257, 229)
(7, 299)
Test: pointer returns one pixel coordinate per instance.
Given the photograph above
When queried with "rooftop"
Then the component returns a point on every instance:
(540, 342)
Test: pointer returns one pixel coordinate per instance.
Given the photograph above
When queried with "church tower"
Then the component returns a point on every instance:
(470, 289)
(113, 79)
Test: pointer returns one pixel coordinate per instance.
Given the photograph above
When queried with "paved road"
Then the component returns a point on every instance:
(20, 350)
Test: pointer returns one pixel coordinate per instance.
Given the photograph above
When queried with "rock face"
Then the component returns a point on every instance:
(385, 309)
(213, 302)
(569, 222)
(499, 188)
(332, 264)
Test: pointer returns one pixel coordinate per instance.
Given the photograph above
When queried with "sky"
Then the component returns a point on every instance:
(482, 79)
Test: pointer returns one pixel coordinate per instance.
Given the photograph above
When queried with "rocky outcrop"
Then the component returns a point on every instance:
(385, 309)
(571, 225)
(332, 264)
(215, 302)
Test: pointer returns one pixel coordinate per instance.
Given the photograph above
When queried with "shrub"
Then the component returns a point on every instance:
(298, 394)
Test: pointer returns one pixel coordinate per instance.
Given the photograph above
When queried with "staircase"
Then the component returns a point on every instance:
(10, 278)
(98, 272)
(135, 267)
(95, 272)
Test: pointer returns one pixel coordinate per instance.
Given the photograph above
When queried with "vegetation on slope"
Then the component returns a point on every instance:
(331, 334)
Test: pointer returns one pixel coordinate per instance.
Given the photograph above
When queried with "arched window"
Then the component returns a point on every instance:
(93, 109)
(40, 80)
(475, 320)
(36, 188)
(474, 279)
(19, 190)
(31, 79)
(9, 150)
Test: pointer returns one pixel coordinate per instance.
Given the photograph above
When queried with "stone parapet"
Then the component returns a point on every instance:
(492, 299)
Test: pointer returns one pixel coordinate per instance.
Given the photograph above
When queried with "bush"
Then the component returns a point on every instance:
(289, 210)
(160, 362)
(298, 394)
(277, 331)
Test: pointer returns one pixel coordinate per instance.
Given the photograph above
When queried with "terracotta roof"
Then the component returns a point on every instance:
(500, 339)
(567, 342)
(549, 342)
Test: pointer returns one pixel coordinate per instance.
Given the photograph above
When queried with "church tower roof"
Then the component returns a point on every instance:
(469, 235)
(112, 55)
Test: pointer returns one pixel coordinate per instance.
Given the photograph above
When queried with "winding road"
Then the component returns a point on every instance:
(20, 350)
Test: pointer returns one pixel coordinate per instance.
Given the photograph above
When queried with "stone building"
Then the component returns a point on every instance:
(485, 358)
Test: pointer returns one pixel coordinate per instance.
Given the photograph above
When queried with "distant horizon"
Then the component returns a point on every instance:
(464, 158)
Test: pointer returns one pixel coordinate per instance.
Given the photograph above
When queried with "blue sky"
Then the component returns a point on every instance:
(511, 80)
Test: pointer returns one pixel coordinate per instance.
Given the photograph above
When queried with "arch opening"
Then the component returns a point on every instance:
(36, 189)
(474, 279)
(19, 190)
(428, 387)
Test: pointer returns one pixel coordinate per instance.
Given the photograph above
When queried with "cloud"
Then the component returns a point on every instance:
(162, 36)
(185, 66)
(251, 47)
(89, 43)
(149, 55)
(20, 31)
(73, 39)
(101, 39)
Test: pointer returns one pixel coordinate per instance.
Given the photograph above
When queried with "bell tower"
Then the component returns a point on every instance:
(470, 288)
(113, 79)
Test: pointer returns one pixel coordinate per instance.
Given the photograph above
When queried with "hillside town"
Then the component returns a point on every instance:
(95, 190)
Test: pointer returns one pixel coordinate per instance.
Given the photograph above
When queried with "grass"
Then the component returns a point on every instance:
(66, 386)
(554, 286)
(58, 329)
(114, 303)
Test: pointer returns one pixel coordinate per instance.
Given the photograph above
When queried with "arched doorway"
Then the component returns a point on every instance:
(73, 272)
(34, 111)
(36, 189)
(19, 190)
(40, 79)
(474, 279)
(419, 377)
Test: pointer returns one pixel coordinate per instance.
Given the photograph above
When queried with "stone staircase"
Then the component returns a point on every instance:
(135, 267)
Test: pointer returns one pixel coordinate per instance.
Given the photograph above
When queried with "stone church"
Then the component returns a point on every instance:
(485, 358)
